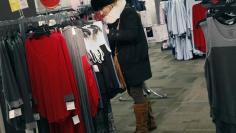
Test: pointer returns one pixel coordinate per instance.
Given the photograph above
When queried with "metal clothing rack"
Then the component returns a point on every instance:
(148, 92)
(159, 95)
(57, 16)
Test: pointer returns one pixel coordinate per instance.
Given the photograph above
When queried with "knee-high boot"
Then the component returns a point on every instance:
(141, 114)
(151, 119)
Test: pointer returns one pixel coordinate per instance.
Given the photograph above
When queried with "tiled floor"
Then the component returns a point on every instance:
(187, 108)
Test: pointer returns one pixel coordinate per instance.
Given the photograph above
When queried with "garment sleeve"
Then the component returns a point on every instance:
(93, 92)
(74, 85)
(10, 87)
(130, 24)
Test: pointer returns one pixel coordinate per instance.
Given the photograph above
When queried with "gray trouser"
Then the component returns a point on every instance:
(136, 92)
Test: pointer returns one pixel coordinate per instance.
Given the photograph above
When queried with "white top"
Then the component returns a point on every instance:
(177, 17)
(94, 41)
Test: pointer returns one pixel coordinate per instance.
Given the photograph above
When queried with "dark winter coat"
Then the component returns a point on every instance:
(132, 46)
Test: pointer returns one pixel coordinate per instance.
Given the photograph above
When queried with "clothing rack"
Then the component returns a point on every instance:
(81, 10)
(58, 17)
(61, 15)
(56, 11)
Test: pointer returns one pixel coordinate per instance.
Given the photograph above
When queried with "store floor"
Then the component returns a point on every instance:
(187, 108)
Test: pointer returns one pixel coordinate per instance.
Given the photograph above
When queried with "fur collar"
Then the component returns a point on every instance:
(115, 12)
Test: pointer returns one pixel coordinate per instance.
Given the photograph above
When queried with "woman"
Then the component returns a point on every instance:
(127, 35)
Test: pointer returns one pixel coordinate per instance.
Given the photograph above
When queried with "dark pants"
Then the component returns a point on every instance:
(136, 92)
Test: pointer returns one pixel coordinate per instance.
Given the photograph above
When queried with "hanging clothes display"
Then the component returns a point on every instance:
(17, 55)
(199, 13)
(163, 12)
(49, 61)
(99, 50)
(190, 17)
(87, 84)
(189, 5)
(157, 6)
(220, 73)
(178, 26)
(220, 34)
(161, 29)
(55, 81)
(15, 91)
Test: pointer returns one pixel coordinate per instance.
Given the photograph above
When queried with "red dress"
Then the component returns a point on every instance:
(52, 79)
(199, 13)
(92, 86)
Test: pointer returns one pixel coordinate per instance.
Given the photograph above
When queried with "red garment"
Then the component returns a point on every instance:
(199, 13)
(92, 86)
(52, 78)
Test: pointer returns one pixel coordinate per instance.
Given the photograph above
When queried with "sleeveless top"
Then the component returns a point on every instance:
(220, 69)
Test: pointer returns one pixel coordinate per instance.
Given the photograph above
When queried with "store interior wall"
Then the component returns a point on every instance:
(150, 5)
(63, 4)
(7, 14)
(151, 8)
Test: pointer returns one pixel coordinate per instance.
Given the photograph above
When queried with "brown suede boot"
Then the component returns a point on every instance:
(151, 119)
(141, 114)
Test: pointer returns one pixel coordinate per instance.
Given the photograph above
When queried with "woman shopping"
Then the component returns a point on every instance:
(126, 35)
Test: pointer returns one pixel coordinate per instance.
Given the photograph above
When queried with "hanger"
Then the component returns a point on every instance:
(86, 32)
(95, 29)
(38, 31)
(224, 12)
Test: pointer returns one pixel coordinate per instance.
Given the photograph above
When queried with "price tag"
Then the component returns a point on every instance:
(24, 4)
(76, 120)
(61, 30)
(41, 23)
(15, 113)
(11, 114)
(70, 105)
(15, 5)
(95, 68)
(73, 31)
(18, 112)
(52, 22)
(37, 116)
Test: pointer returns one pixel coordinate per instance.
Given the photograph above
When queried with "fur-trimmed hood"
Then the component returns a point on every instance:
(115, 12)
